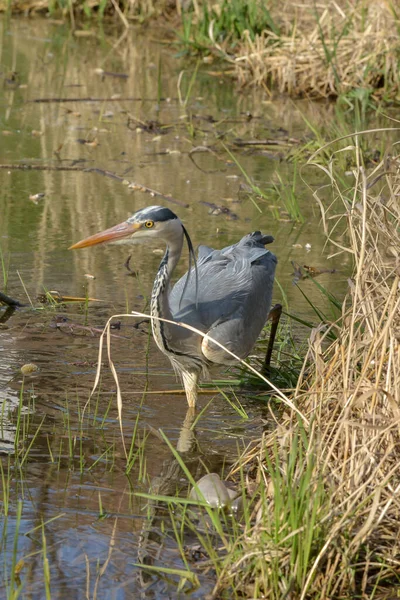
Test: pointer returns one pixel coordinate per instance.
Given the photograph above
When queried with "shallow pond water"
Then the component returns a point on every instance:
(139, 119)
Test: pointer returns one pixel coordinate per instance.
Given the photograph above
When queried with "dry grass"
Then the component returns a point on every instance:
(324, 49)
(316, 49)
(71, 9)
(350, 392)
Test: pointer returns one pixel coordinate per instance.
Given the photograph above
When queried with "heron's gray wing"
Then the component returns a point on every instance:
(234, 293)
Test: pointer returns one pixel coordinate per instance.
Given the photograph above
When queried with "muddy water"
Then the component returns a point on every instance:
(72, 476)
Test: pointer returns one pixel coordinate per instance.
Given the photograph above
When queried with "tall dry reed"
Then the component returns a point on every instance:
(326, 521)
(324, 49)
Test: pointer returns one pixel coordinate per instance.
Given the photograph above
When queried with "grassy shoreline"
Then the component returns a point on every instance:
(345, 49)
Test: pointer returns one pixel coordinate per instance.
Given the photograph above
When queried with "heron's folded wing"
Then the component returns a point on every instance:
(229, 280)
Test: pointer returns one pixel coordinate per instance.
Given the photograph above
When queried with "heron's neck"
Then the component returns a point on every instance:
(159, 298)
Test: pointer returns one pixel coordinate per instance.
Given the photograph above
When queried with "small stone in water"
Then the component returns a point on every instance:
(29, 368)
(212, 490)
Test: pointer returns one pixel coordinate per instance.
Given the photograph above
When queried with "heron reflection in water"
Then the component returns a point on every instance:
(226, 294)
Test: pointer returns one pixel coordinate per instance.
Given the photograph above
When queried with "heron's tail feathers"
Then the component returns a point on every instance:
(259, 238)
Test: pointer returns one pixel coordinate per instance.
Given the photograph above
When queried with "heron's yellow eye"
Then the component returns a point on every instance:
(149, 224)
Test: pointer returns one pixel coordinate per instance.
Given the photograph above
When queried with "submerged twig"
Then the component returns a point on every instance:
(87, 328)
(266, 142)
(131, 184)
(127, 266)
(217, 210)
(205, 149)
(89, 99)
(33, 167)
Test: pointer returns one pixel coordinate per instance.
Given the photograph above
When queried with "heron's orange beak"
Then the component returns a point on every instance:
(113, 234)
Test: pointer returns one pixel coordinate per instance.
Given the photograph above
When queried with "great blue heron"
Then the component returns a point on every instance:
(225, 294)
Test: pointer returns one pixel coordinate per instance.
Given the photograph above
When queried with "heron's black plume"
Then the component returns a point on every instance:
(192, 255)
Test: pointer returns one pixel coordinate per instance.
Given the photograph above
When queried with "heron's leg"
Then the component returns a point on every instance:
(274, 316)
(190, 379)
(187, 436)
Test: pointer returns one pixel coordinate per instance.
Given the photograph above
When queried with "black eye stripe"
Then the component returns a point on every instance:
(157, 213)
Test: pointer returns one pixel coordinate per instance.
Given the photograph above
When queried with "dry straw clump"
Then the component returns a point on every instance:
(325, 49)
(326, 521)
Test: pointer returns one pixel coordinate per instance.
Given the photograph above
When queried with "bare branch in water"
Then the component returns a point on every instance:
(88, 99)
(205, 149)
(127, 266)
(132, 184)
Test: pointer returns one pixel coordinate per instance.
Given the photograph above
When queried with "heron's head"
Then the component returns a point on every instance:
(153, 221)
